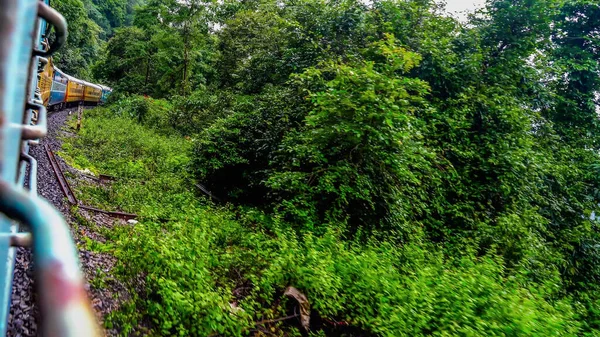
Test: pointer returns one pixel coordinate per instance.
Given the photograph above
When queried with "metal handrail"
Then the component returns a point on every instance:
(64, 304)
(60, 27)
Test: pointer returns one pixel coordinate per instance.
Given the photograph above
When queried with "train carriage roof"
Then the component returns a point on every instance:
(56, 70)
(105, 88)
(76, 80)
(92, 85)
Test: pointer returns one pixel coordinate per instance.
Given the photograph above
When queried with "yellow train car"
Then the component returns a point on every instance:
(92, 93)
(75, 90)
(45, 81)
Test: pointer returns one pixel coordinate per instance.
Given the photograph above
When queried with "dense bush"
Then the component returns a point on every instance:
(359, 156)
(151, 167)
(378, 289)
(410, 173)
(208, 270)
(233, 155)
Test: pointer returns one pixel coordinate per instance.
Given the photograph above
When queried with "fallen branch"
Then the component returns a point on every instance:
(267, 321)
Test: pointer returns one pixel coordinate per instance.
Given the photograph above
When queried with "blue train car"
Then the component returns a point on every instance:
(59, 87)
(105, 93)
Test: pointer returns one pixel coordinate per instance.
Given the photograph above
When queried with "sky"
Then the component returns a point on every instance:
(458, 7)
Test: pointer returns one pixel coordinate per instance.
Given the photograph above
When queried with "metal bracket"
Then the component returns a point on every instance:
(39, 130)
(33, 166)
(17, 239)
(60, 26)
(64, 302)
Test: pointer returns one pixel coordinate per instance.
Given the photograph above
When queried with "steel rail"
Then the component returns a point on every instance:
(60, 177)
(68, 192)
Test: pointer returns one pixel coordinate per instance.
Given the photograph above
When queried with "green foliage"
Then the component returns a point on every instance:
(413, 291)
(131, 58)
(233, 155)
(253, 46)
(481, 155)
(204, 259)
(410, 292)
(90, 23)
(359, 156)
(161, 53)
(181, 295)
(146, 163)
(409, 173)
(83, 44)
(201, 109)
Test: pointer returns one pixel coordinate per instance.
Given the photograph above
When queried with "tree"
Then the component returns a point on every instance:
(83, 45)
(162, 54)
(128, 61)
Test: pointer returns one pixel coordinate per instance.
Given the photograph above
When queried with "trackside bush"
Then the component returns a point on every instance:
(378, 289)
(223, 271)
(151, 167)
(149, 111)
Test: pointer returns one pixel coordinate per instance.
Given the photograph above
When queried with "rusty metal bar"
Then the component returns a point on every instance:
(91, 177)
(106, 177)
(60, 177)
(68, 192)
(121, 215)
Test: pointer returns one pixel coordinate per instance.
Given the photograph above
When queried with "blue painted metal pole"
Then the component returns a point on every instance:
(65, 307)
(64, 304)
(17, 25)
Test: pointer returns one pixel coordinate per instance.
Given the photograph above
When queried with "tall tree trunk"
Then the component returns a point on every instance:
(185, 67)
(147, 75)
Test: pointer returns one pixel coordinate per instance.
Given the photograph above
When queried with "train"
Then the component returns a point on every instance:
(59, 90)
(30, 85)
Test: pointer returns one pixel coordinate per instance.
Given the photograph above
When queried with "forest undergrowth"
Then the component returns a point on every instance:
(212, 269)
(375, 168)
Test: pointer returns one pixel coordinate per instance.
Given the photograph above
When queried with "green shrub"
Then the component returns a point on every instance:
(359, 156)
(192, 114)
(220, 271)
(232, 157)
(377, 289)
(146, 110)
(151, 167)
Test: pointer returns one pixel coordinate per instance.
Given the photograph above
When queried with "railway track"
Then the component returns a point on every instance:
(68, 192)
(60, 176)
(52, 184)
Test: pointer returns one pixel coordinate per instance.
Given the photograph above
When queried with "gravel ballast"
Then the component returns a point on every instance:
(24, 313)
